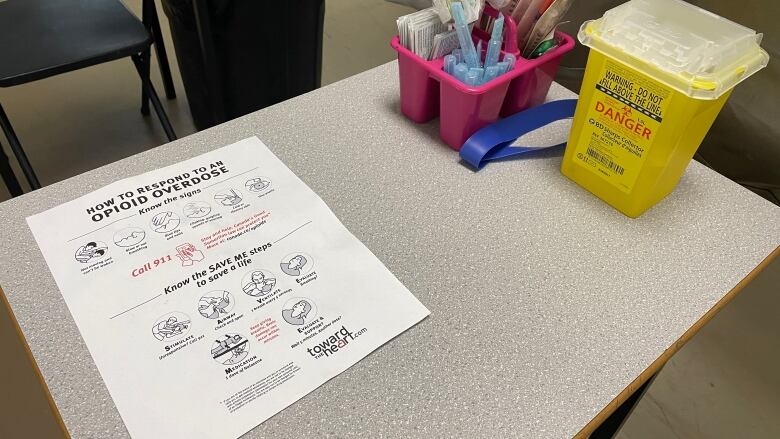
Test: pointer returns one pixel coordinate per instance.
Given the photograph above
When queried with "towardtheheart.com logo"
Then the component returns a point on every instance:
(331, 344)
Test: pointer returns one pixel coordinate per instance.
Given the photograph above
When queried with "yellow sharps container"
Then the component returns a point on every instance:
(658, 73)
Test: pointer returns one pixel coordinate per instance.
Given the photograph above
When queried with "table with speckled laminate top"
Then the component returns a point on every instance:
(548, 307)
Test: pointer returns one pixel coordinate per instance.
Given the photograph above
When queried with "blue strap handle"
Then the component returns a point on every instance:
(495, 140)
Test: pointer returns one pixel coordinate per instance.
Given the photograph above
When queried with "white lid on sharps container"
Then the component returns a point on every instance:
(686, 47)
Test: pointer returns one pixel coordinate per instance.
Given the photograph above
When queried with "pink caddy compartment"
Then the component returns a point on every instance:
(428, 91)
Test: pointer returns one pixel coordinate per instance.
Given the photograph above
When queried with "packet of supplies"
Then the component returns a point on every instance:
(545, 26)
(418, 30)
(472, 9)
(444, 44)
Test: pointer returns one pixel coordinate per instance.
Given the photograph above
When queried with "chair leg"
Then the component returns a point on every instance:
(8, 175)
(152, 22)
(16, 147)
(149, 89)
(144, 72)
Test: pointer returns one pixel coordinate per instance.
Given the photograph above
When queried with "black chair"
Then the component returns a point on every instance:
(43, 38)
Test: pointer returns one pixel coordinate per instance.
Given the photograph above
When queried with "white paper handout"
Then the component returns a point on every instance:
(216, 292)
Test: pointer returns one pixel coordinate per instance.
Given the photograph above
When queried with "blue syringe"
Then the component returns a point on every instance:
(464, 36)
(494, 46)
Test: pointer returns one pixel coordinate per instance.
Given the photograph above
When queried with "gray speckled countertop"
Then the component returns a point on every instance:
(545, 302)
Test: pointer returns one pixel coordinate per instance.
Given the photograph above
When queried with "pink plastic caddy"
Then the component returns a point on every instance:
(428, 91)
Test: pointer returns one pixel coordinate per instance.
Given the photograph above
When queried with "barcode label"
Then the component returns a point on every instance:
(606, 161)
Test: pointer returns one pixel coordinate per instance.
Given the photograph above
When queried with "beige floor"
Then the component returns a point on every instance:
(723, 384)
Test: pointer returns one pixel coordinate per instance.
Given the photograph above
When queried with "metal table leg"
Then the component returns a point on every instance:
(16, 147)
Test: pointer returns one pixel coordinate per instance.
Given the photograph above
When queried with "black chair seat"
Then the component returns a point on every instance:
(42, 38)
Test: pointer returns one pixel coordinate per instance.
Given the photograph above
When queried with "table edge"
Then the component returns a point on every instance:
(586, 431)
(656, 365)
(34, 366)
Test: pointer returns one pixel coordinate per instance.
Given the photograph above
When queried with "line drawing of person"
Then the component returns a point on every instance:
(129, 237)
(161, 221)
(298, 313)
(259, 285)
(257, 184)
(237, 354)
(235, 345)
(212, 307)
(196, 209)
(165, 222)
(169, 328)
(228, 198)
(295, 266)
(90, 251)
(189, 254)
